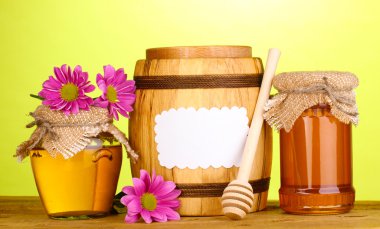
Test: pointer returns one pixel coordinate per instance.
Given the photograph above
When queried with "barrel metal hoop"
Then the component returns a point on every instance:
(216, 189)
(198, 81)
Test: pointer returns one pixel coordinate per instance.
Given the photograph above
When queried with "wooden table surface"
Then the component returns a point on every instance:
(27, 212)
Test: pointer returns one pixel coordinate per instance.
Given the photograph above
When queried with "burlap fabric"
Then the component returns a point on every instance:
(298, 91)
(68, 135)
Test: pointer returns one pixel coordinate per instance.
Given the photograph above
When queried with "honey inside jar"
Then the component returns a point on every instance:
(81, 186)
(316, 164)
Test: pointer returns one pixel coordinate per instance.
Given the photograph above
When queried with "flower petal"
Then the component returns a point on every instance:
(125, 91)
(109, 71)
(131, 218)
(144, 176)
(127, 98)
(75, 76)
(146, 216)
(83, 79)
(128, 86)
(123, 113)
(78, 69)
(124, 107)
(115, 115)
(67, 109)
(157, 181)
(171, 195)
(69, 75)
(101, 83)
(134, 206)
(52, 83)
(125, 200)
(165, 188)
(64, 71)
(170, 213)
(129, 190)
(158, 216)
(120, 76)
(99, 102)
(60, 75)
(169, 203)
(139, 186)
(50, 95)
(59, 104)
(84, 103)
(89, 88)
(127, 102)
(48, 102)
(75, 107)
(67, 112)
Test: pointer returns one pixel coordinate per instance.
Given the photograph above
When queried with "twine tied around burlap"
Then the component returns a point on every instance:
(298, 91)
(68, 135)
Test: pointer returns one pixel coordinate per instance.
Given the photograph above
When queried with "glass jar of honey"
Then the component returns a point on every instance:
(314, 112)
(82, 186)
(316, 164)
(76, 161)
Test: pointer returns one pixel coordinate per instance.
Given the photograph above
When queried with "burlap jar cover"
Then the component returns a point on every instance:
(298, 91)
(68, 135)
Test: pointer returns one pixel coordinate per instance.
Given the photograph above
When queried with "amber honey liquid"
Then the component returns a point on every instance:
(316, 165)
(81, 186)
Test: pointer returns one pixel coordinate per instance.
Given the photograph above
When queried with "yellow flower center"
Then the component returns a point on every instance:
(149, 201)
(69, 92)
(111, 94)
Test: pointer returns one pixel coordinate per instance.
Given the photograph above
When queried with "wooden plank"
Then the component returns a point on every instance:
(27, 212)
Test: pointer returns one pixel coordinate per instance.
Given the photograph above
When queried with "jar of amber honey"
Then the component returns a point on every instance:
(76, 161)
(316, 164)
(79, 187)
(314, 112)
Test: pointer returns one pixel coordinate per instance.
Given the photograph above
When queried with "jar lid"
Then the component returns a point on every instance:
(337, 81)
(298, 91)
(68, 135)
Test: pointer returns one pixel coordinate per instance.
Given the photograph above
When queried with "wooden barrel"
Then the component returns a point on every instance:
(179, 83)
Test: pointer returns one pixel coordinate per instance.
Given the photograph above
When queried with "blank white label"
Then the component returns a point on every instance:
(189, 138)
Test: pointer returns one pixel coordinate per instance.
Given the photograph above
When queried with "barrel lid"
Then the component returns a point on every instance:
(217, 51)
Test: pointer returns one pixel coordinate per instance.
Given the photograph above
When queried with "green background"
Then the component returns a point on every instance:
(312, 35)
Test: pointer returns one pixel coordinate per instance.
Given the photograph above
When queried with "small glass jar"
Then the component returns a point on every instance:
(82, 186)
(316, 164)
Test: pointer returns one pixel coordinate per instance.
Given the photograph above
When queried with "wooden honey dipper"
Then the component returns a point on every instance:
(237, 198)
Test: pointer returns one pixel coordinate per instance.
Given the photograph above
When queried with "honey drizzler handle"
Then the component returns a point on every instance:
(237, 198)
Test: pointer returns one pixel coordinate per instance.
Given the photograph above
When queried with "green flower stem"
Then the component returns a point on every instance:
(36, 96)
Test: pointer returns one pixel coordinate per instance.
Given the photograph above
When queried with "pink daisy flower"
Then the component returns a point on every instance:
(118, 92)
(67, 91)
(152, 199)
